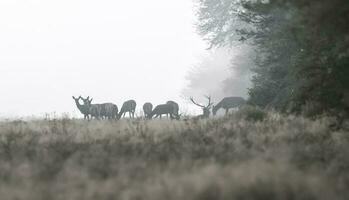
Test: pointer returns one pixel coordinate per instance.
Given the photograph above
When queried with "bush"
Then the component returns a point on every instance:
(252, 113)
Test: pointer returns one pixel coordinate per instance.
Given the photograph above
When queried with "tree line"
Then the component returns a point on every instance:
(301, 48)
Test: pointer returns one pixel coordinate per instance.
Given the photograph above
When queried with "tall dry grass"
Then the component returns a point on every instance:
(236, 157)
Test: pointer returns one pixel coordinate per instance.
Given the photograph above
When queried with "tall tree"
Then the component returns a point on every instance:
(302, 47)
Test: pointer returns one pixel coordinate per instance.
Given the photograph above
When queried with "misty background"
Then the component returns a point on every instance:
(111, 51)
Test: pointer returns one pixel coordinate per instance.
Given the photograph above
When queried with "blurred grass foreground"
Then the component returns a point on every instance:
(240, 156)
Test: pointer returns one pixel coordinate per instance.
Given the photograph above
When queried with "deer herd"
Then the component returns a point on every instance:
(170, 108)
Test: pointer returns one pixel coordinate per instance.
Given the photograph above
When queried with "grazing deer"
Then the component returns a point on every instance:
(163, 109)
(175, 107)
(227, 103)
(82, 108)
(147, 108)
(130, 107)
(205, 109)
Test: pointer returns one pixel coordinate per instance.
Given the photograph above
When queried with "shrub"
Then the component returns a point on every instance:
(252, 113)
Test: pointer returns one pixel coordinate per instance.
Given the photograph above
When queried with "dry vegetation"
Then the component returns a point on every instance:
(248, 155)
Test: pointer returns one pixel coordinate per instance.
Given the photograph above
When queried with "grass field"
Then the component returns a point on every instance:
(235, 157)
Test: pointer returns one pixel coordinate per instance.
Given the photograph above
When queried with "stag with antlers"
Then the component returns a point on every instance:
(205, 109)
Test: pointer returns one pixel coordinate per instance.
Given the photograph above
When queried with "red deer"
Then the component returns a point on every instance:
(227, 103)
(82, 108)
(93, 109)
(105, 110)
(147, 108)
(205, 109)
(130, 107)
(109, 110)
(175, 107)
(163, 109)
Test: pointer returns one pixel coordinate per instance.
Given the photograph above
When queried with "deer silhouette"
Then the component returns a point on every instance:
(164, 109)
(109, 110)
(104, 110)
(147, 108)
(175, 108)
(82, 108)
(93, 109)
(228, 103)
(205, 109)
(128, 106)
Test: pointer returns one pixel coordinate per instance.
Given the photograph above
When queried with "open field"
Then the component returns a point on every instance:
(280, 157)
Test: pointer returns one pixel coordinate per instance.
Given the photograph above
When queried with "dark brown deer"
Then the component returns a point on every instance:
(130, 107)
(205, 109)
(228, 103)
(147, 108)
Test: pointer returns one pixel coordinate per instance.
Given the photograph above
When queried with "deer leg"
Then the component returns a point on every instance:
(226, 111)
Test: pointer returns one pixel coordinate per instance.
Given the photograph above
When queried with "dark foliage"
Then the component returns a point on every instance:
(302, 48)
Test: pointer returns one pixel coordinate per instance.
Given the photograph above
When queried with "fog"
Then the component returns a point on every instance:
(223, 72)
(110, 50)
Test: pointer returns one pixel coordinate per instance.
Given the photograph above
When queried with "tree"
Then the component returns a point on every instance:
(302, 48)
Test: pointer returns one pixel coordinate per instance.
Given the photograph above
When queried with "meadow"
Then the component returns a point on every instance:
(246, 155)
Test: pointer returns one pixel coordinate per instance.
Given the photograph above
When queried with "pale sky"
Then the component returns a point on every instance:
(111, 50)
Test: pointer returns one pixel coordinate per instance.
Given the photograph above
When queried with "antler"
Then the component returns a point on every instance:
(192, 100)
(209, 101)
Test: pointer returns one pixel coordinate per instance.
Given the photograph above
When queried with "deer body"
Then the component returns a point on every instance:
(175, 107)
(95, 110)
(147, 108)
(109, 110)
(228, 103)
(163, 109)
(130, 107)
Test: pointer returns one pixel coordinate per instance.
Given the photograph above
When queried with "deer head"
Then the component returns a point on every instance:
(77, 100)
(87, 101)
(205, 109)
